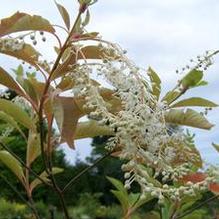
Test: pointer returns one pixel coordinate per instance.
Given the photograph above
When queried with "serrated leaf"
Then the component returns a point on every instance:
(64, 14)
(67, 115)
(91, 129)
(216, 146)
(187, 118)
(27, 54)
(23, 22)
(194, 101)
(44, 176)
(33, 147)
(13, 164)
(155, 82)
(17, 113)
(192, 78)
(9, 82)
(10, 120)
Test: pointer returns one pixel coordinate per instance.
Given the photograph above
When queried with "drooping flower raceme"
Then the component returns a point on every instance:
(140, 132)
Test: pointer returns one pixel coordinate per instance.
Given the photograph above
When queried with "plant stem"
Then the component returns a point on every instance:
(23, 164)
(197, 207)
(40, 112)
(30, 204)
(84, 171)
(47, 159)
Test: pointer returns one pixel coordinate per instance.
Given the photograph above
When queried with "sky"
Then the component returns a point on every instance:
(163, 34)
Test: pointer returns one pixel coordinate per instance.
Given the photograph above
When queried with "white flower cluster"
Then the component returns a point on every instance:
(4, 94)
(11, 44)
(6, 132)
(140, 132)
(201, 62)
(22, 102)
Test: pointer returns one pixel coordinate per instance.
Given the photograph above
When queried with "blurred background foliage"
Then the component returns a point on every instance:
(90, 196)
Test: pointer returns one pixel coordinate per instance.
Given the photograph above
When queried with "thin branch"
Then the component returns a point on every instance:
(29, 204)
(59, 41)
(47, 163)
(61, 27)
(23, 164)
(84, 171)
(198, 206)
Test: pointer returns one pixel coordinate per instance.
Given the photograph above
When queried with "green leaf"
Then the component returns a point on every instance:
(13, 164)
(30, 90)
(216, 146)
(33, 147)
(192, 78)
(91, 129)
(187, 118)
(202, 83)
(189, 202)
(118, 185)
(170, 96)
(78, 28)
(17, 113)
(24, 22)
(194, 101)
(64, 14)
(87, 19)
(9, 82)
(10, 120)
(142, 201)
(153, 215)
(44, 176)
(67, 114)
(197, 214)
(133, 198)
(155, 81)
(19, 71)
(123, 199)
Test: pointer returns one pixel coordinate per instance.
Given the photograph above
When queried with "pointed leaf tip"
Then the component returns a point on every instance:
(64, 14)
